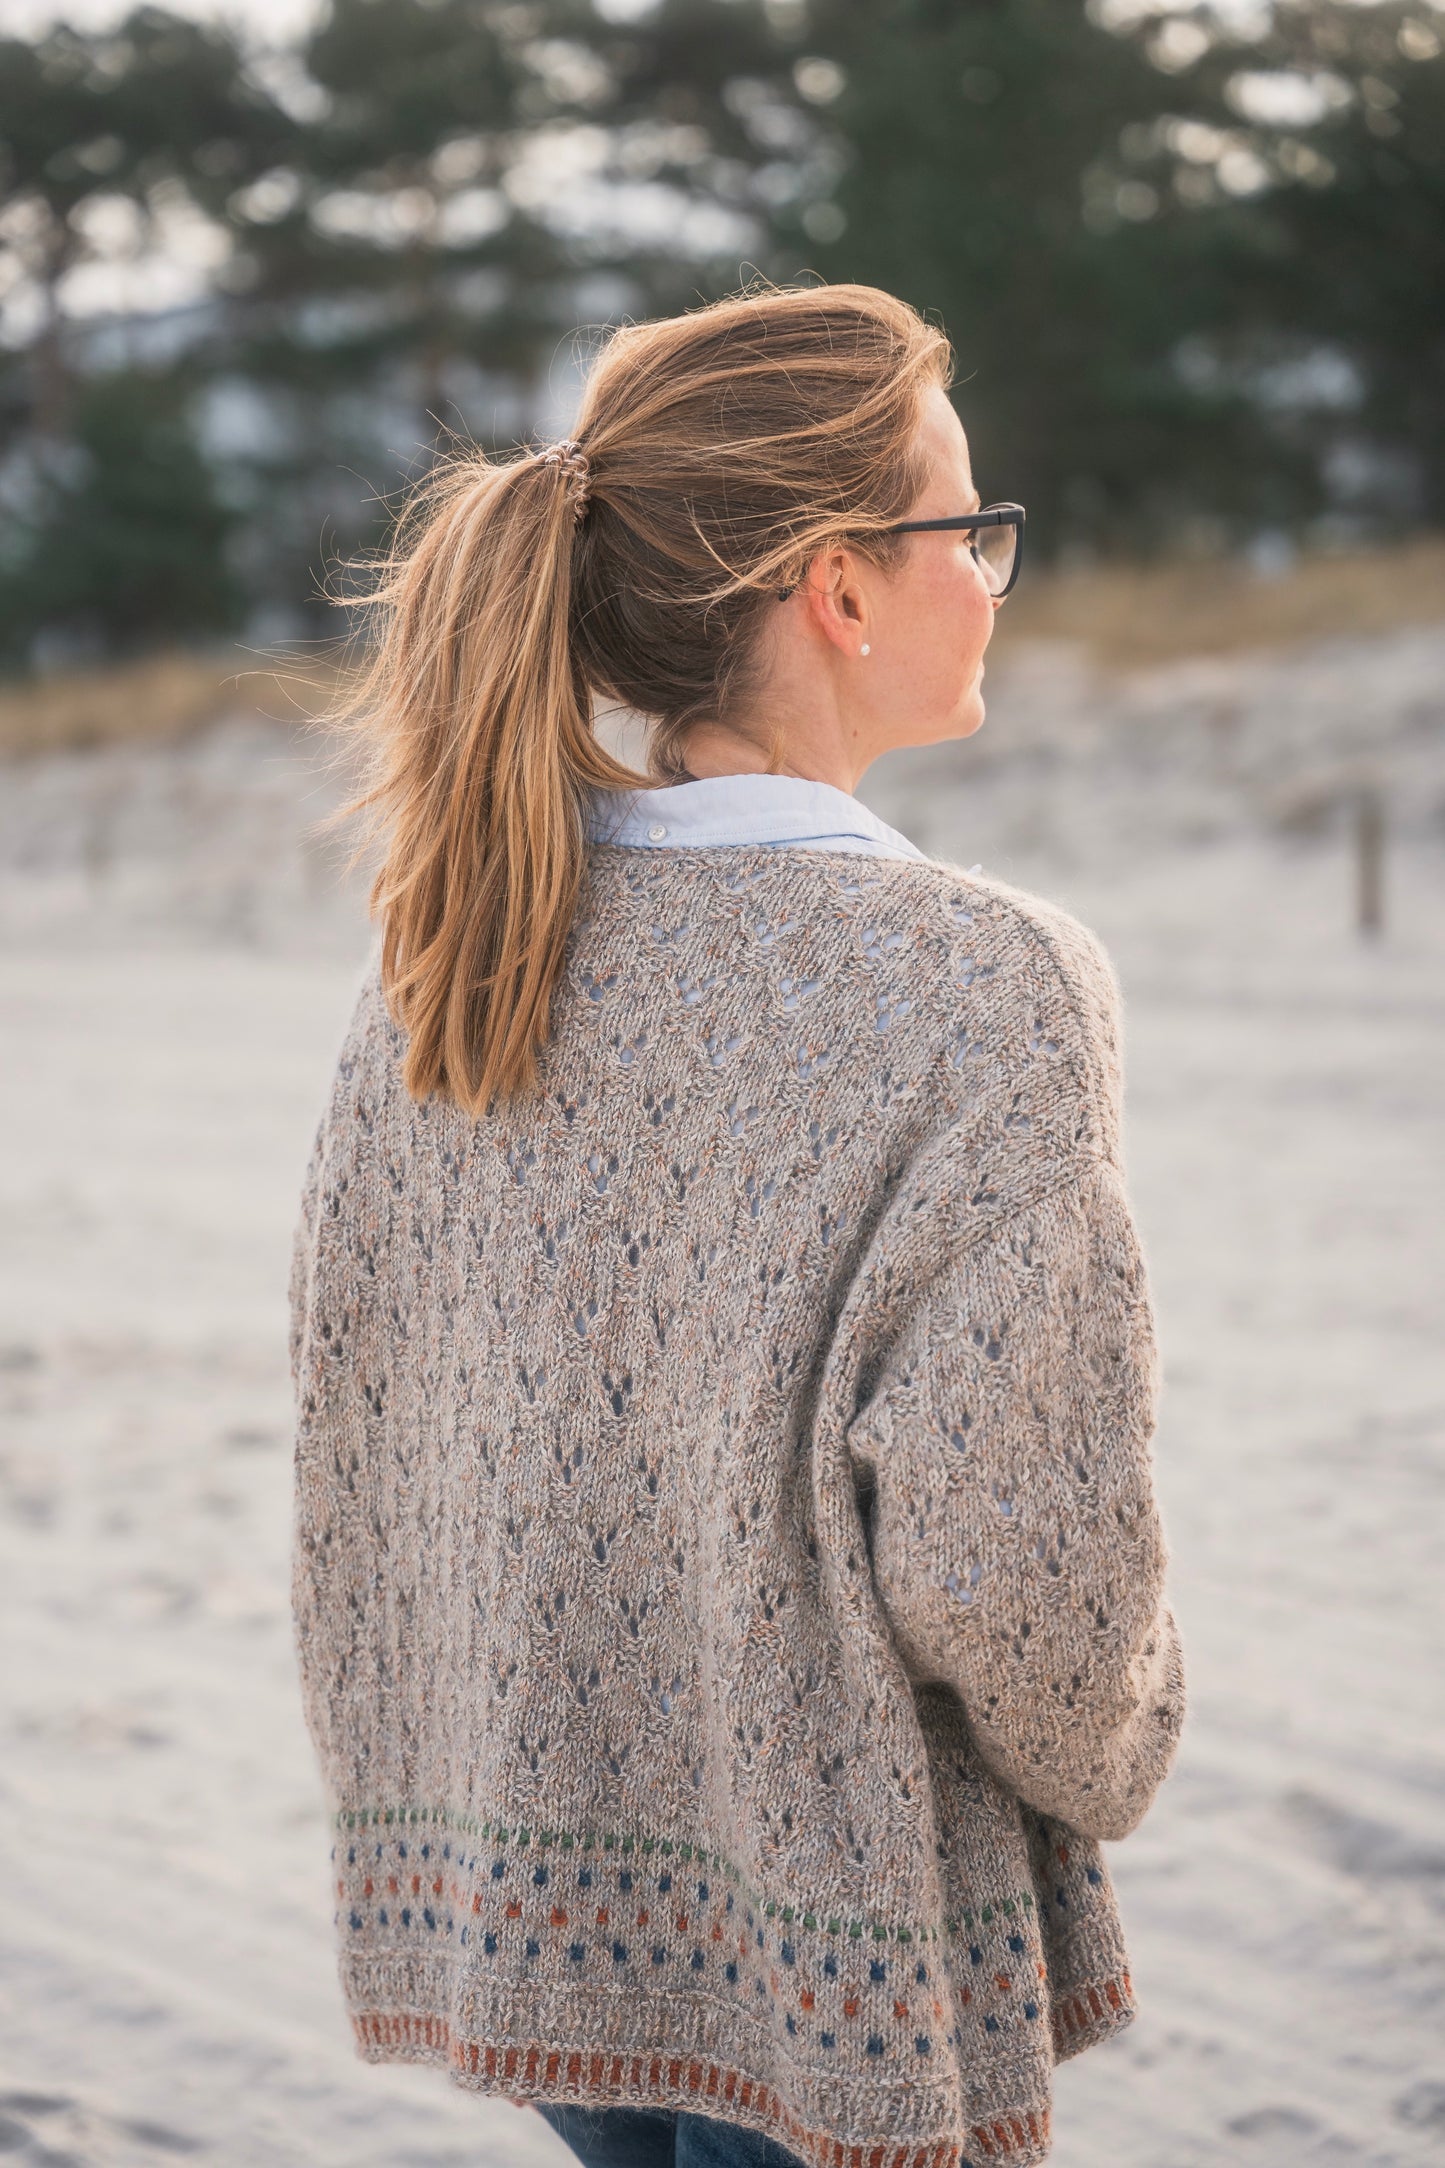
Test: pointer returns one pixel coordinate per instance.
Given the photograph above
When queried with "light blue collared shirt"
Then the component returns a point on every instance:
(773, 810)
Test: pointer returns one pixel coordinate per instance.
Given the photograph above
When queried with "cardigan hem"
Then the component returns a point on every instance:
(534, 2070)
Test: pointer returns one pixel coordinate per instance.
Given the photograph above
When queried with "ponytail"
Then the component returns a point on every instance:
(721, 452)
(479, 727)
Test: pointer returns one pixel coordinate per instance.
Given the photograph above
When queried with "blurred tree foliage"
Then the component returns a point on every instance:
(1191, 262)
(103, 136)
(1188, 273)
(112, 534)
(128, 544)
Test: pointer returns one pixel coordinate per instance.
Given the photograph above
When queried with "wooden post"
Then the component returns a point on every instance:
(1224, 737)
(1369, 828)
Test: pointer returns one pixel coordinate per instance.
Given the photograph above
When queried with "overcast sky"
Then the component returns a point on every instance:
(279, 19)
(260, 18)
(263, 19)
(282, 18)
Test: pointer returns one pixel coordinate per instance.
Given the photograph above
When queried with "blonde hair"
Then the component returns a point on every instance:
(715, 454)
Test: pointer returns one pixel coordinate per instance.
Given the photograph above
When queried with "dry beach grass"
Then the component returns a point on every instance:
(1121, 617)
(1128, 617)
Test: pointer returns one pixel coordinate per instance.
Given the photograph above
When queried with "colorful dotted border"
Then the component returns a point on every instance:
(357, 1818)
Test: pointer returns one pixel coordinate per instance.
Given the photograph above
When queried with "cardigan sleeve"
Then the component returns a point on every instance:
(309, 1558)
(325, 1306)
(1007, 1399)
(1017, 1545)
(303, 1238)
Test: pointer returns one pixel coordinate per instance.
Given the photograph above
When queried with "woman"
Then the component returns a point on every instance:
(728, 1579)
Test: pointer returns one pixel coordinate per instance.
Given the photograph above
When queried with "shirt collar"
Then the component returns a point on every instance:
(772, 810)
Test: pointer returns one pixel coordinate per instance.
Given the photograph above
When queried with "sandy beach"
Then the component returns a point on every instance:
(177, 958)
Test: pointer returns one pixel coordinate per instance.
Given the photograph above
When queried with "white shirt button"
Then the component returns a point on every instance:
(656, 832)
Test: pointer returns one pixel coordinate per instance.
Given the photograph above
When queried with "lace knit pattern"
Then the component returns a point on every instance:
(728, 1582)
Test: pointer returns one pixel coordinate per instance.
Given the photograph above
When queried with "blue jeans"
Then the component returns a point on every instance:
(660, 2138)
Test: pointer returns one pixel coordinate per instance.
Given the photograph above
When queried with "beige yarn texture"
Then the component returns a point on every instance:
(728, 1581)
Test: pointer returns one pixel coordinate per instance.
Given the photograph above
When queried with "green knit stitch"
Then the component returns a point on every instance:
(355, 1818)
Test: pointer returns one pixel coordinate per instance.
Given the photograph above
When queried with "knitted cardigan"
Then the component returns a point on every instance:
(728, 1582)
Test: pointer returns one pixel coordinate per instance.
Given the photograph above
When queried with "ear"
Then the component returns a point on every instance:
(836, 601)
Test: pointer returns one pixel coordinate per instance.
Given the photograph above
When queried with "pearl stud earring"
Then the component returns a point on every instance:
(864, 649)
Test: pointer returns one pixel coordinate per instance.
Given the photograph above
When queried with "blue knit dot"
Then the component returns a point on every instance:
(921, 1974)
(875, 2043)
(429, 1916)
(730, 1971)
(406, 1915)
(584, 1878)
(539, 1875)
(624, 1880)
(381, 1916)
(499, 1868)
(975, 1954)
(827, 2040)
(401, 1849)
(1095, 1876)
(789, 1954)
(356, 1922)
(351, 1857)
(923, 2045)
(698, 1960)
(659, 1954)
(1031, 2009)
(426, 1851)
(830, 1966)
(877, 1970)
(489, 1944)
(990, 2024)
(664, 1883)
(619, 1953)
(702, 1893)
(789, 2022)
(1016, 1943)
(760, 1938)
(577, 1952)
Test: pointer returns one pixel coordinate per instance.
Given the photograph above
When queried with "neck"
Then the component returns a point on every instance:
(712, 749)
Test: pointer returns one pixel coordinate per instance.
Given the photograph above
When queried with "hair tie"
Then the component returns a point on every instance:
(573, 461)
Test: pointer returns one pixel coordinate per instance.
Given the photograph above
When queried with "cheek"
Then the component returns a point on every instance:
(976, 613)
(943, 625)
(961, 614)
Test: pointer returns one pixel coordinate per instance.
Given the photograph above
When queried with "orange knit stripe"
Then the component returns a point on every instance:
(1092, 2007)
(1005, 2138)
